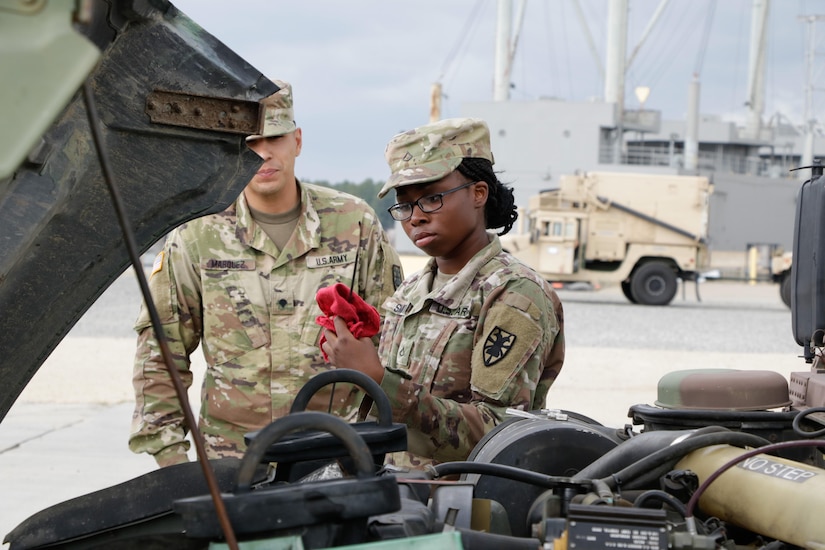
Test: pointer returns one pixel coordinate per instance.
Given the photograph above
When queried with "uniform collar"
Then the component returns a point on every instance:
(453, 293)
(307, 232)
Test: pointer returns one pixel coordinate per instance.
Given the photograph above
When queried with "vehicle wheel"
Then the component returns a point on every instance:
(785, 289)
(627, 292)
(653, 284)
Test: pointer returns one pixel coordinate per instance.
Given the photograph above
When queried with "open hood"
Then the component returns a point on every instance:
(174, 105)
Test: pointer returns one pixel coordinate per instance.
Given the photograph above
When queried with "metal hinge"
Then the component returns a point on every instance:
(204, 113)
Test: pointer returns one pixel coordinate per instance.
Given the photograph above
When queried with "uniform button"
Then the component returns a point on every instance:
(282, 302)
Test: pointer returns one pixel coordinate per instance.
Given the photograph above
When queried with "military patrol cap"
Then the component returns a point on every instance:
(279, 117)
(430, 152)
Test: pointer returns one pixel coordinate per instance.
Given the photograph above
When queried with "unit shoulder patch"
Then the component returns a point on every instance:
(508, 339)
(498, 343)
(157, 265)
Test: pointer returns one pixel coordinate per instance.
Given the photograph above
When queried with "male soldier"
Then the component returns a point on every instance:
(242, 284)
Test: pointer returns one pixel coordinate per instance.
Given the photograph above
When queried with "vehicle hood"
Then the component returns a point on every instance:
(61, 244)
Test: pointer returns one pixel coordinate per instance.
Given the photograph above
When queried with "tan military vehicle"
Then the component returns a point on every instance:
(781, 274)
(643, 231)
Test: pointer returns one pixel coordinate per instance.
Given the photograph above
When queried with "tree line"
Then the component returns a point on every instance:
(368, 191)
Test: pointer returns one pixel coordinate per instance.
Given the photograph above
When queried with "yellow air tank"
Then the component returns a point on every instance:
(773, 496)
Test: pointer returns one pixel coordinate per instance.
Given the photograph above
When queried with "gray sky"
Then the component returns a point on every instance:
(362, 70)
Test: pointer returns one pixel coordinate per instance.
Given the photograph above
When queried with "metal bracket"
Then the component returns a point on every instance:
(232, 116)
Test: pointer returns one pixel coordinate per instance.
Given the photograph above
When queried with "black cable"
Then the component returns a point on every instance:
(662, 496)
(508, 472)
(463, 36)
(797, 420)
(680, 449)
(638, 447)
(479, 540)
(703, 45)
(132, 249)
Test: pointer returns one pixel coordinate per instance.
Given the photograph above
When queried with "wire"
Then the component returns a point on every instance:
(463, 37)
(736, 64)
(662, 496)
(131, 246)
(797, 421)
(703, 43)
(551, 46)
(507, 472)
(646, 466)
(667, 56)
(567, 55)
(770, 57)
(598, 16)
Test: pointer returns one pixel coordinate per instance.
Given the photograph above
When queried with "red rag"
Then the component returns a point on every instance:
(362, 319)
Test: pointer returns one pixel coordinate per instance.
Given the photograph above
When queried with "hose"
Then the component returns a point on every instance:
(642, 469)
(505, 471)
(479, 540)
(662, 496)
(797, 420)
(637, 448)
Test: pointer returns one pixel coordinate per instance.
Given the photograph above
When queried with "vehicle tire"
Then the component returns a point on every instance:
(653, 284)
(627, 292)
(785, 289)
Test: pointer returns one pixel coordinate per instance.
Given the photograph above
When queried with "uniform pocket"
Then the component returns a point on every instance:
(235, 317)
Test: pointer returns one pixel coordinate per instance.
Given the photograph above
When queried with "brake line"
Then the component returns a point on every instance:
(189, 419)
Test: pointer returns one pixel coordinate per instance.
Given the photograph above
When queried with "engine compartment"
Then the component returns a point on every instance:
(674, 478)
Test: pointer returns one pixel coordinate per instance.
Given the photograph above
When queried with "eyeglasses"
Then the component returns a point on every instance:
(403, 210)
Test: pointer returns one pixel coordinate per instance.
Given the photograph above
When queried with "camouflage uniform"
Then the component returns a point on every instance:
(491, 338)
(457, 358)
(222, 283)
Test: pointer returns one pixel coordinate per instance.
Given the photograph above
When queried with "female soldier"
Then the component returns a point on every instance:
(476, 331)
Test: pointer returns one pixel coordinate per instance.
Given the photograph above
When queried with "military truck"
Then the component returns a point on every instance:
(781, 274)
(643, 231)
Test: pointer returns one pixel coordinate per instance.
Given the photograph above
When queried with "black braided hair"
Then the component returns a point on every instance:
(500, 212)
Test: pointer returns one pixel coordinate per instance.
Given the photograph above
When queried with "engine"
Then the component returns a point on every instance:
(686, 473)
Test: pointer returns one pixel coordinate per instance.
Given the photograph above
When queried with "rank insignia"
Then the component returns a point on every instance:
(498, 343)
(397, 279)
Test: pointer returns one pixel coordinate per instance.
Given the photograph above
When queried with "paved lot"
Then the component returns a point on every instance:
(66, 435)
